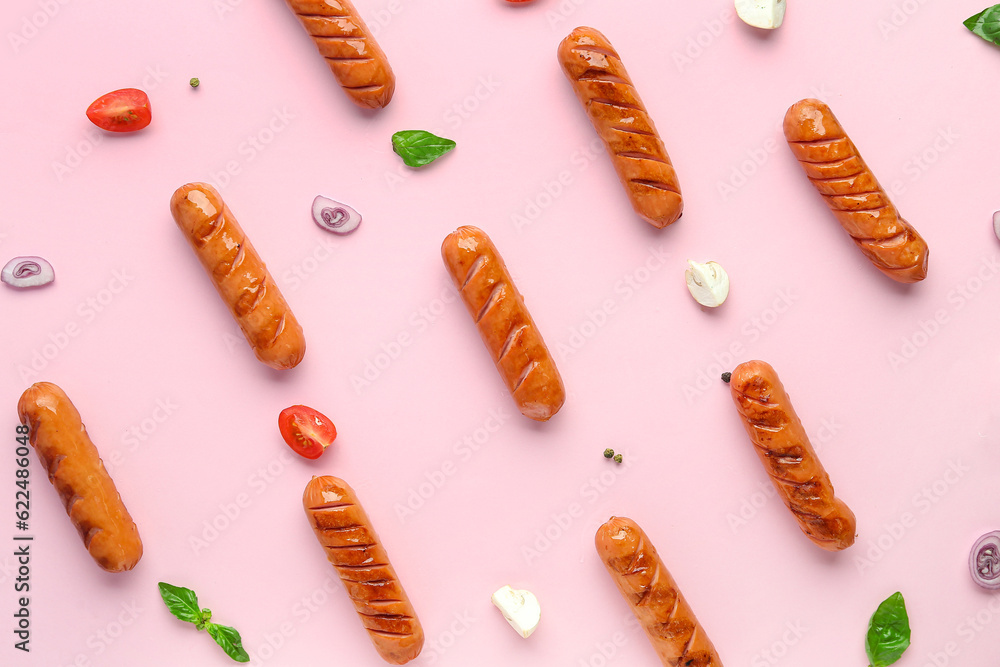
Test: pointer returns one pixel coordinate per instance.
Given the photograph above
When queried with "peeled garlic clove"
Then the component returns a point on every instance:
(520, 608)
(996, 224)
(767, 14)
(708, 283)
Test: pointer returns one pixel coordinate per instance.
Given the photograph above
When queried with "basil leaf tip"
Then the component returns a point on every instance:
(888, 632)
(181, 602)
(230, 641)
(419, 147)
(986, 24)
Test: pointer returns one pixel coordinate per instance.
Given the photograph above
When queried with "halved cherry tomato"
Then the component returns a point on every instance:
(306, 431)
(125, 110)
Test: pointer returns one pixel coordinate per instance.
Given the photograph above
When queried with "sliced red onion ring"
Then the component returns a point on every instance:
(996, 224)
(22, 272)
(984, 561)
(335, 217)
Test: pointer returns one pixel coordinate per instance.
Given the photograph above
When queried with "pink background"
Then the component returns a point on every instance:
(916, 91)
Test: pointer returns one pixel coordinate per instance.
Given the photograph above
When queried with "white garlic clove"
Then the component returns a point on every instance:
(766, 14)
(996, 224)
(520, 608)
(708, 283)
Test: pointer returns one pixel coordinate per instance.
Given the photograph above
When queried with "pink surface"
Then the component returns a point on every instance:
(462, 489)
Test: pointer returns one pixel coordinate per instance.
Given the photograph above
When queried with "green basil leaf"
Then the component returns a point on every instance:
(986, 24)
(888, 632)
(229, 639)
(182, 602)
(418, 148)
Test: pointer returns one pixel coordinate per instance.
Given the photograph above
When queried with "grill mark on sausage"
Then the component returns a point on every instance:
(337, 59)
(473, 270)
(330, 506)
(616, 104)
(524, 375)
(511, 337)
(603, 76)
(492, 299)
(631, 130)
(637, 155)
(656, 185)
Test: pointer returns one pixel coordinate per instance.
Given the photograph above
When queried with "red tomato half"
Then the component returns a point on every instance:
(125, 110)
(306, 431)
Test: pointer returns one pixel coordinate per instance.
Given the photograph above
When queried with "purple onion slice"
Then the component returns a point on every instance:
(984, 561)
(335, 217)
(22, 272)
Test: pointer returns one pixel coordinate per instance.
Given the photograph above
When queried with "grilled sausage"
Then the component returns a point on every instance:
(351, 544)
(350, 49)
(784, 450)
(836, 169)
(604, 88)
(504, 323)
(652, 593)
(239, 275)
(78, 475)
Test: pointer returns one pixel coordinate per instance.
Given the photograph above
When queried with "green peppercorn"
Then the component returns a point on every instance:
(608, 453)
(194, 82)
(618, 458)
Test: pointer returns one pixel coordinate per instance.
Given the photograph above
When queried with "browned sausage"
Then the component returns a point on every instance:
(604, 88)
(350, 49)
(78, 474)
(783, 447)
(504, 323)
(833, 164)
(239, 275)
(351, 544)
(652, 593)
